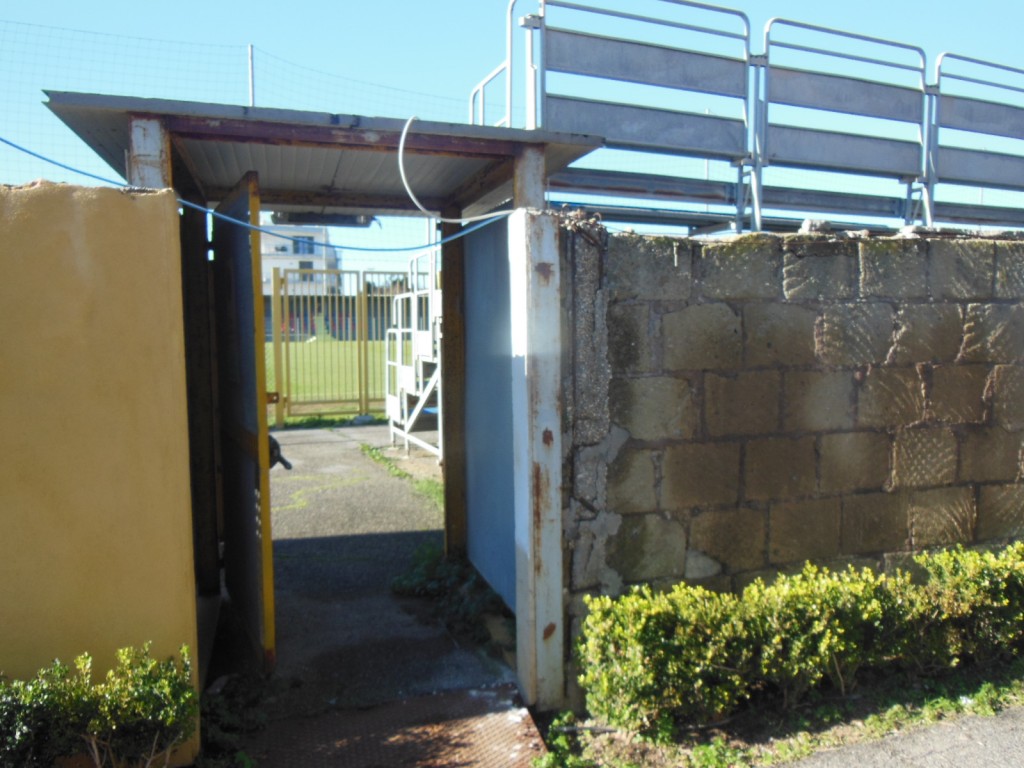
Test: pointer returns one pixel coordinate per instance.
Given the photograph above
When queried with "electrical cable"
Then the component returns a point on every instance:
(415, 200)
(482, 221)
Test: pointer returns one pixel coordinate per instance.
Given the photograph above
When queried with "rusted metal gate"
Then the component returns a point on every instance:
(326, 340)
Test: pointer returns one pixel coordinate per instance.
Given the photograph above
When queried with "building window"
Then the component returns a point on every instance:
(306, 277)
(303, 244)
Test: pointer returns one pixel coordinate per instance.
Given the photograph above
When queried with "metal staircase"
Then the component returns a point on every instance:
(412, 377)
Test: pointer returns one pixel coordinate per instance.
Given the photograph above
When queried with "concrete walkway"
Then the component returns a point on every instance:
(968, 742)
(370, 679)
(360, 670)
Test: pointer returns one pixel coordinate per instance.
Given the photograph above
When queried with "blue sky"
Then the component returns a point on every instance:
(387, 57)
(443, 48)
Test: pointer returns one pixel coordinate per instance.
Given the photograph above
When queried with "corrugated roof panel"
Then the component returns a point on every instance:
(338, 162)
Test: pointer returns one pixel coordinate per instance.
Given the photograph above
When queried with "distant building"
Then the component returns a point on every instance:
(301, 253)
(295, 248)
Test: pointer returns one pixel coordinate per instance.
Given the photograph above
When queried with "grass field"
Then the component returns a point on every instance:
(325, 369)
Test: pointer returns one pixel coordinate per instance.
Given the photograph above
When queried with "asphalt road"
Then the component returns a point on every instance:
(968, 742)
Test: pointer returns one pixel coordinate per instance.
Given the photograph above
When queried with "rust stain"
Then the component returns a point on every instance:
(548, 438)
(549, 630)
(538, 494)
(546, 270)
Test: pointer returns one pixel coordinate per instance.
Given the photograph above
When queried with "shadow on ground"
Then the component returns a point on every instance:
(365, 677)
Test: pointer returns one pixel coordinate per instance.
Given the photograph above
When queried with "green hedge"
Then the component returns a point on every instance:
(135, 716)
(654, 661)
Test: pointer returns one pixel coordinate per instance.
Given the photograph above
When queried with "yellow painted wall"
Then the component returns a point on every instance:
(95, 509)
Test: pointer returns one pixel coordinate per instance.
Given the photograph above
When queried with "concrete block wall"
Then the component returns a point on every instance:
(737, 407)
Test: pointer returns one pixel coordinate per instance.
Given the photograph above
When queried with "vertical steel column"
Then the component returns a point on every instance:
(537, 437)
(276, 316)
(453, 388)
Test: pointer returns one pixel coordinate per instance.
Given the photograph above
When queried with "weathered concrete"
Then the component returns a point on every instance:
(773, 399)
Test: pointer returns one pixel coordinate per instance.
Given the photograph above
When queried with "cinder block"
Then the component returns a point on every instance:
(875, 523)
(1009, 269)
(780, 468)
(924, 457)
(631, 482)
(702, 337)
(743, 404)
(1008, 397)
(890, 397)
(962, 269)
(803, 530)
(700, 475)
(629, 339)
(648, 547)
(648, 269)
(658, 408)
(928, 333)
(855, 461)
(851, 335)
(747, 267)
(779, 335)
(734, 537)
(589, 552)
(993, 333)
(1001, 512)
(895, 269)
(819, 269)
(942, 517)
(957, 394)
(818, 401)
(991, 455)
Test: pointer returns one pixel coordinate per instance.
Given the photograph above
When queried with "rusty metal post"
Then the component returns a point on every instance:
(537, 440)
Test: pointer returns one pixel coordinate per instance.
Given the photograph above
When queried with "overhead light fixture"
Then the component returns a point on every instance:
(322, 219)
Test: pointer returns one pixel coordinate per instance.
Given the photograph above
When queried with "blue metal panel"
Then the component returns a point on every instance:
(489, 458)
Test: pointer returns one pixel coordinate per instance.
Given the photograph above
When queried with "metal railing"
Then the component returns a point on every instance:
(326, 340)
(987, 120)
(412, 383)
(849, 103)
(821, 95)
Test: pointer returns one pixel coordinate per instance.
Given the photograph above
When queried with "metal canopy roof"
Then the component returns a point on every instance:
(319, 162)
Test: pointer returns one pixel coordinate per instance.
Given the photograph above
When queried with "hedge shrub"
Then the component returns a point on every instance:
(654, 661)
(651, 658)
(135, 716)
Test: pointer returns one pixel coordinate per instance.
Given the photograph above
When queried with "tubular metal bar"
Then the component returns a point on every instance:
(772, 23)
(744, 36)
(816, 148)
(940, 74)
(973, 167)
(506, 67)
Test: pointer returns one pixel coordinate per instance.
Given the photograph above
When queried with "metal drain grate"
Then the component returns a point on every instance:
(471, 729)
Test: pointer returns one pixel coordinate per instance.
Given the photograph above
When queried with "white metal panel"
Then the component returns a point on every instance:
(635, 62)
(844, 152)
(646, 128)
(536, 366)
(981, 116)
(848, 95)
(989, 169)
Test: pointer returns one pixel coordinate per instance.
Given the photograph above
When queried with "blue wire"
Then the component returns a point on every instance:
(247, 225)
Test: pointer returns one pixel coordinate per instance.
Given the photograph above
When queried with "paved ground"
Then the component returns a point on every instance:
(970, 742)
(367, 678)
(371, 680)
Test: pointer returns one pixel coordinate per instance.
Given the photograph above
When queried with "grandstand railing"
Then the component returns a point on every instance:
(672, 79)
